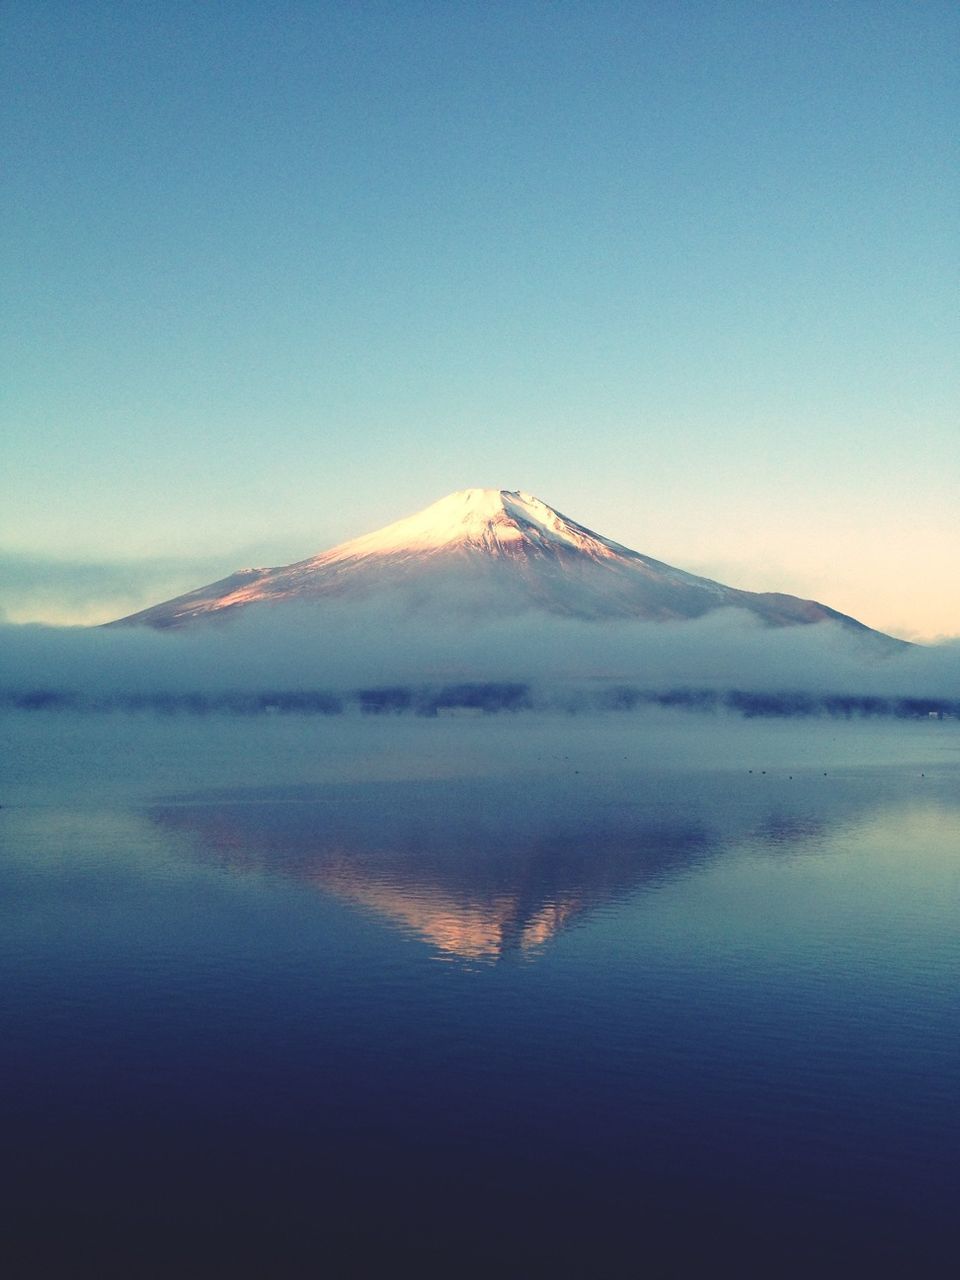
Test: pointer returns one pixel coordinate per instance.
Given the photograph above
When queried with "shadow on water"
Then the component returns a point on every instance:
(481, 869)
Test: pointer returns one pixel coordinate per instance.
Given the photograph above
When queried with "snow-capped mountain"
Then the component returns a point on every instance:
(489, 551)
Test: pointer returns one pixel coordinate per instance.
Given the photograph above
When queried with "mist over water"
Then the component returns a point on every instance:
(268, 658)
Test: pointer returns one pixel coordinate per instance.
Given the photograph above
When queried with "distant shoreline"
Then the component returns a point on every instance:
(486, 698)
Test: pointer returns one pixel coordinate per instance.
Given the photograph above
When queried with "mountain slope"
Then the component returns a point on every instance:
(489, 551)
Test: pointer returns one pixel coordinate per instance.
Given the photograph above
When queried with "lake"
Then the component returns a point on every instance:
(663, 994)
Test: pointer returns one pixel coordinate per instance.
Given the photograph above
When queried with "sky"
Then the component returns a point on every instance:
(275, 275)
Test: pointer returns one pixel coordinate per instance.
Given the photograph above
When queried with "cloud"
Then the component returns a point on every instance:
(303, 650)
(36, 588)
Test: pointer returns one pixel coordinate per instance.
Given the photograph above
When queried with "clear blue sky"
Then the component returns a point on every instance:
(275, 274)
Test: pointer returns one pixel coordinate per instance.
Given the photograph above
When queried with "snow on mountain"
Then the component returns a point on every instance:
(492, 520)
(489, 551)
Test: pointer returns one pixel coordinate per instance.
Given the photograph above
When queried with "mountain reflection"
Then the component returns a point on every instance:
(481, 868)
(471, 930)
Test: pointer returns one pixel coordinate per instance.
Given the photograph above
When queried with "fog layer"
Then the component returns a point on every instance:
(536, 659)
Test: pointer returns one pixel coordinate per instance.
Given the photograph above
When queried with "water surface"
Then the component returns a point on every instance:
(541, 995)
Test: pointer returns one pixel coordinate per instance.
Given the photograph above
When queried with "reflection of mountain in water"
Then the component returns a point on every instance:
(472, 930)
(484, 867)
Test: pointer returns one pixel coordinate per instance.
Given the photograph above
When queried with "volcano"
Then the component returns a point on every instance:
(493, 552)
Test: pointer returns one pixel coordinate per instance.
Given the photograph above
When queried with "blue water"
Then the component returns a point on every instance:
(528, 995)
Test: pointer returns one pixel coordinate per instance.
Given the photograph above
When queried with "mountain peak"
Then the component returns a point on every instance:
(497, 520)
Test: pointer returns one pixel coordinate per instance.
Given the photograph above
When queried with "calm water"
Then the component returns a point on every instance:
(595, 996)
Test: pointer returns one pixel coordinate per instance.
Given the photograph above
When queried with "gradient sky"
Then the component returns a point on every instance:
(276, 274)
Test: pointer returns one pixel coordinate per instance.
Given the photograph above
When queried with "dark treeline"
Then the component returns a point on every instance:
(784, 703)
(486, 698)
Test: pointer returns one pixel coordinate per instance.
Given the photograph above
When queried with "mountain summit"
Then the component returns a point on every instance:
(497, 521)
(489, 551)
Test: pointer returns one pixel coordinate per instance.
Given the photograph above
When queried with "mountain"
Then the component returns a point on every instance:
(489, 551)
